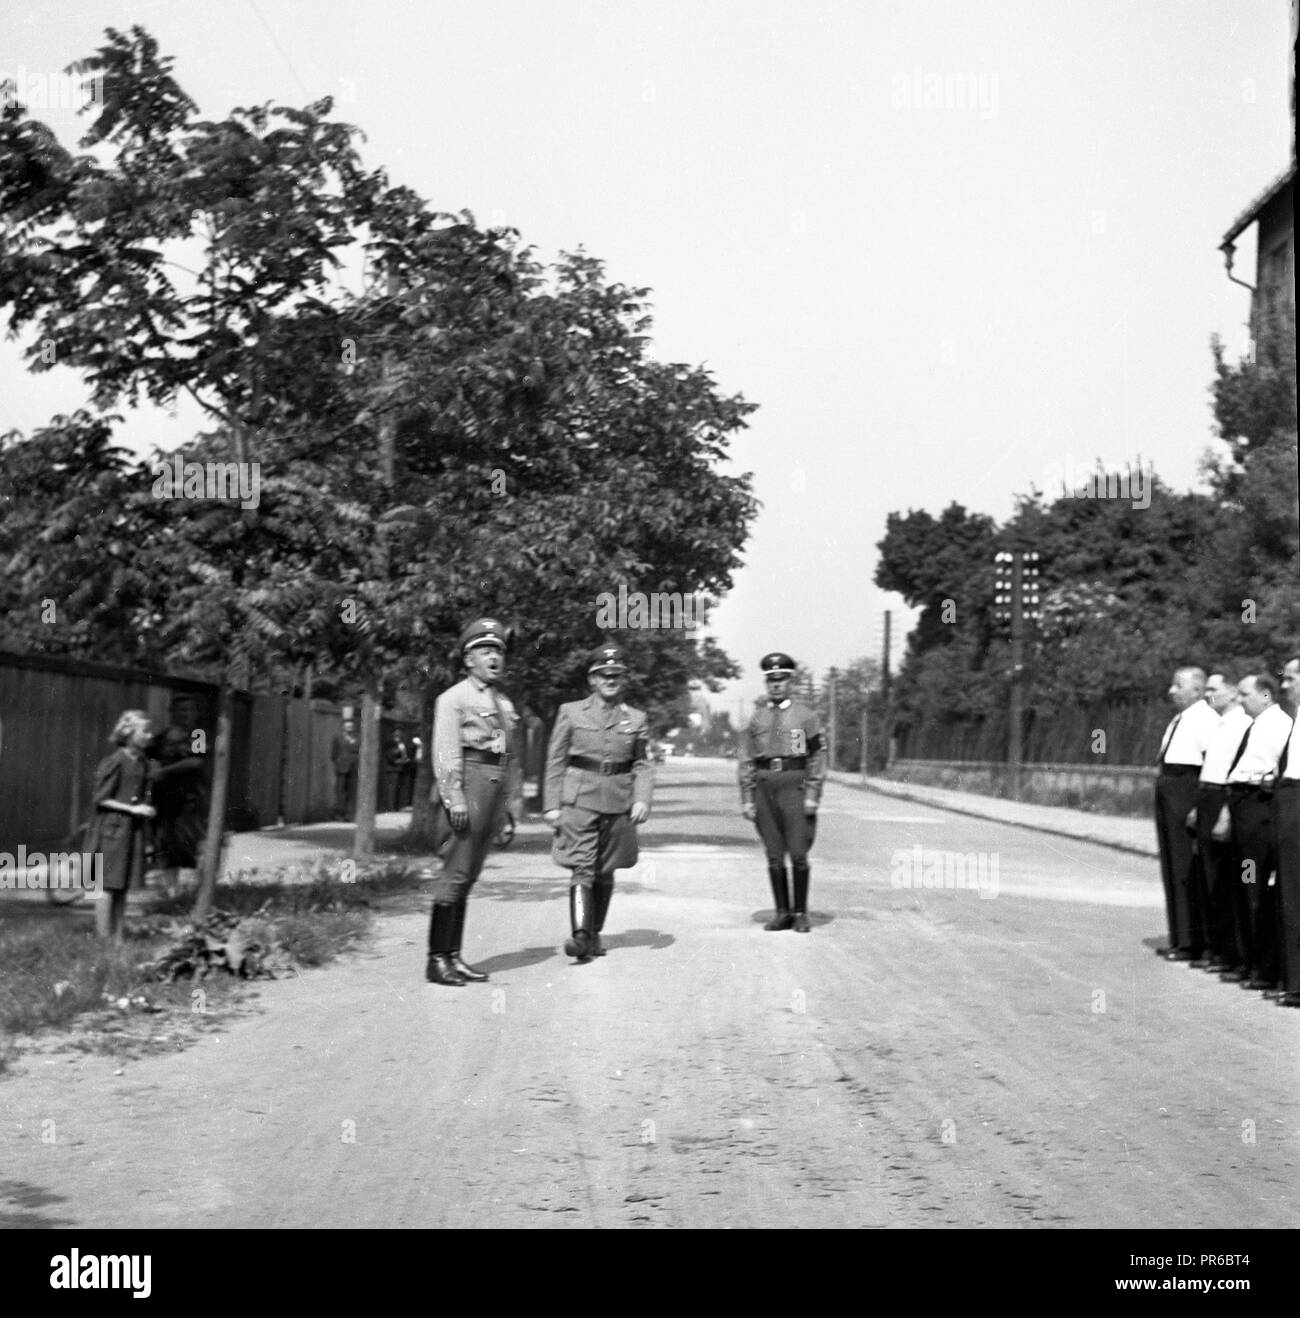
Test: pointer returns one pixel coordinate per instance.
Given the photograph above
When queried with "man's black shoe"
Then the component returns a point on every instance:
(1233, 976)
(1179, 954)
(780, 920)
(1289, 1000)
(439, 970)
(1258, 984)
(467, 972)
(801, 925)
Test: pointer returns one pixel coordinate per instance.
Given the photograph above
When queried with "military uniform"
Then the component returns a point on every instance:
(782, 769)
(476, 771)
(597, 769)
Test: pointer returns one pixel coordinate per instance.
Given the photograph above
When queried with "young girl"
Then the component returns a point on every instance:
(122, 811)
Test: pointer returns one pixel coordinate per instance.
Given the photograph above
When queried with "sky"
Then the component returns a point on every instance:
(950, 247)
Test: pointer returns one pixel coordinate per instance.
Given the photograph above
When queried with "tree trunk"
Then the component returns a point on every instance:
(422, 831)
(216, 810)
(363, 840)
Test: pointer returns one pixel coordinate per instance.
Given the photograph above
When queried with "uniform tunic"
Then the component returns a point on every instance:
(595, 835)
(780, 731)
(474, 716)
(120, 838)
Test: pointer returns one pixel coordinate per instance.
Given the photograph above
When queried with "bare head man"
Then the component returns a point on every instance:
(1220, 691)
(1187, 687)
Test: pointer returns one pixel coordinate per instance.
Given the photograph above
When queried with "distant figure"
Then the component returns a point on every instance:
(119, 829)
(782, 766)
(180, 797)
(343, 756)
(396, 759)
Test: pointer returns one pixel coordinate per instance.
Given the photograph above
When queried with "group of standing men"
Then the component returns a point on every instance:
(598, 788)
(1228, 825)
(599, 782)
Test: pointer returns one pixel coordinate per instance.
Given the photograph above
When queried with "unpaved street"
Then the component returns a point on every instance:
(923, 1058)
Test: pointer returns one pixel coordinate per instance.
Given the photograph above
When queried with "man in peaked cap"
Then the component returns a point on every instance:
(477, 774)
(782, 768)
(599, 781)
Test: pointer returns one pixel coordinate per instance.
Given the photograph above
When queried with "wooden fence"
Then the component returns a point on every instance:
(56, 715)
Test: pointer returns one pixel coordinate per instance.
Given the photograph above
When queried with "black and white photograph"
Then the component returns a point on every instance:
(674, 615)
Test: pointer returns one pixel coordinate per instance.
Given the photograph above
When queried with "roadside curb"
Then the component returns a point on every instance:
(979, 807)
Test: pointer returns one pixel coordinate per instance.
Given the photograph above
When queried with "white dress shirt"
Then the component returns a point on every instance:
(1268, 734)
(1223, 746)
(1292, 771)
(1188, 735)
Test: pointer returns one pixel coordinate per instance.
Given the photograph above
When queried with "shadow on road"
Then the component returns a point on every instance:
(815, 918)
(18, 1195)
(655, 939)
(526, 956)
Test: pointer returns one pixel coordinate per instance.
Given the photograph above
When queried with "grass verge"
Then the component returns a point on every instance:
(56, 975)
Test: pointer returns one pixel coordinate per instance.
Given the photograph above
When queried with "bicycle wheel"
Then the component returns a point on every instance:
(58, 888)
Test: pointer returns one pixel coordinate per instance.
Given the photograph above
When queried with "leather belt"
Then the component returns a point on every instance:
(1286, 784)
(1179, 770)
(475, 756)
(603, 767)
(780, 763)
(1247, 789)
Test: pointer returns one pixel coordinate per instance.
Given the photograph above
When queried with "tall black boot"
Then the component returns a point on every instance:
(801, 925)
(466, 972)
(601, 891)
(781, 918)
(581, 913)
(442, 932)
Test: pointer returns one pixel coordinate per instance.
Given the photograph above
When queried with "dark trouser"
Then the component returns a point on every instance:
(345, 794)
(1252, 832)
(1218, 873)
(485, 785)
(1175, 797)
(779, 816)
(1286, 838)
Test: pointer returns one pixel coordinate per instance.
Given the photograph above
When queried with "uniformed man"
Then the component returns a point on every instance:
(478, 776)
(782, 768)
(599, 782)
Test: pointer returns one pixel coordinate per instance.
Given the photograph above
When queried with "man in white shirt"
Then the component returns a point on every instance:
(1217, 868)
(1182, 752)
(1286, 841)
(1250, 801)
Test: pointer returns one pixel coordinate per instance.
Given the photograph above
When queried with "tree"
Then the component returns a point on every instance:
(469, 431)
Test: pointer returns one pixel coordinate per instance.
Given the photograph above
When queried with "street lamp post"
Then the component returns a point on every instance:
(1015, 602)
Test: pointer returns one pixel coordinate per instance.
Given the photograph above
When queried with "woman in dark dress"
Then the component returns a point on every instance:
(119, 829)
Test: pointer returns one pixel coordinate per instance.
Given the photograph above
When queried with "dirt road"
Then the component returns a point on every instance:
(925, 1057)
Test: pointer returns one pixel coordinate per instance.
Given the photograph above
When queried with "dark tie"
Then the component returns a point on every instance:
(1240, 749)
(1169, 739)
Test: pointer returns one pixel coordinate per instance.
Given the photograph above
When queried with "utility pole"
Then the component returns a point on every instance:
(831, 718)
(887, 730)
